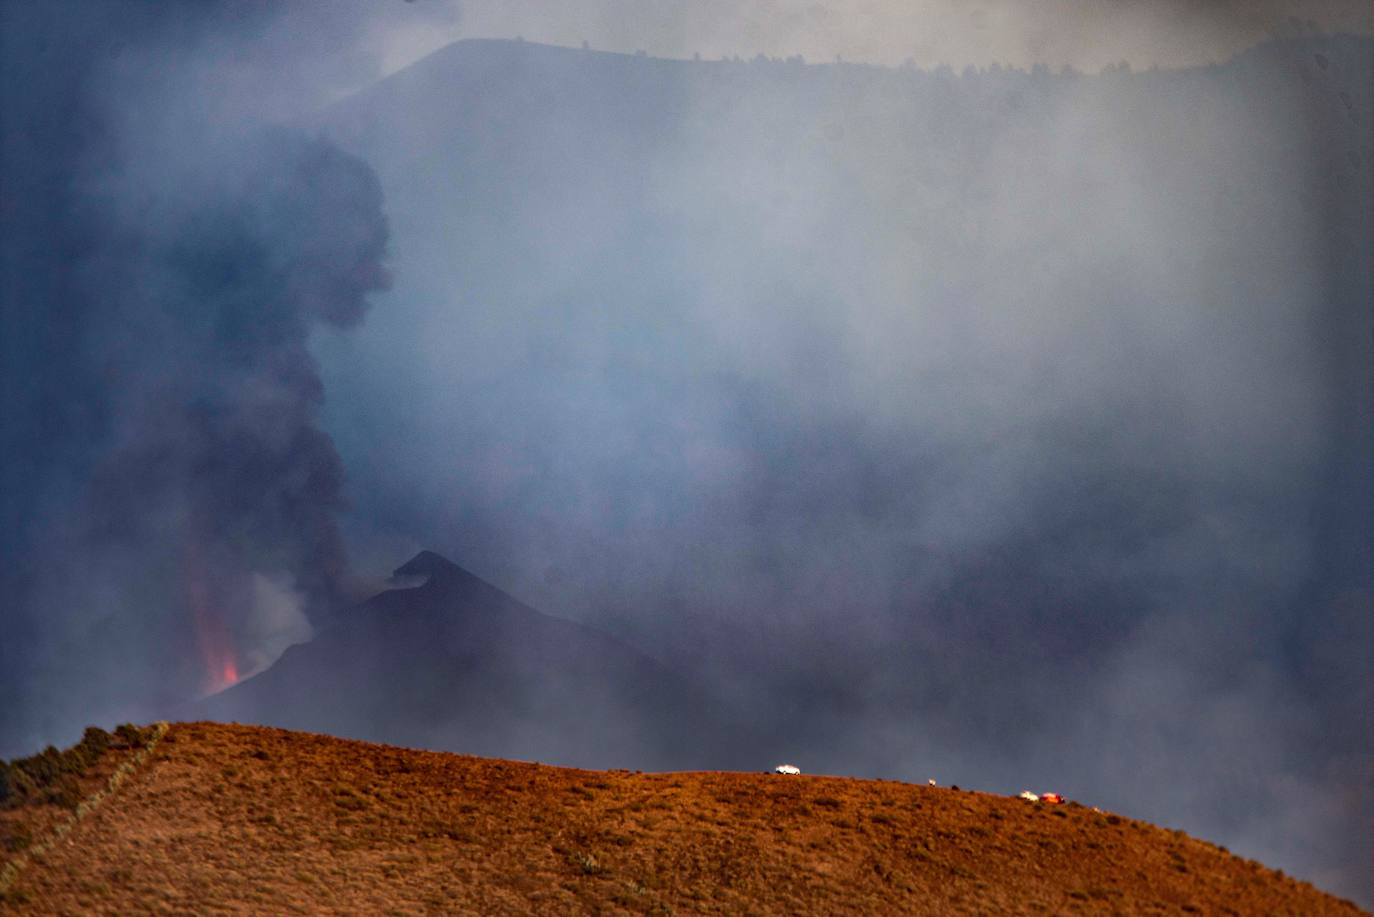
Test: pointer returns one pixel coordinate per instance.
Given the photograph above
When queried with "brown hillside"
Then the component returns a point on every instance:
(238, 818)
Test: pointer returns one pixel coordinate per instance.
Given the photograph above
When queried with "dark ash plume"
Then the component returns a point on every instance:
(170, 498)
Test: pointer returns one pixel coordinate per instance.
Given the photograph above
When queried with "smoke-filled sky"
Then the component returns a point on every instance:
(1008, 425)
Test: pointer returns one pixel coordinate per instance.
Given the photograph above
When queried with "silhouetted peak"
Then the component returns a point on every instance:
(435, 572)
(427, 563)
(428, 569)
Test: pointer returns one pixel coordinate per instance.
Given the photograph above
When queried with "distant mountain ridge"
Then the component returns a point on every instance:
(457, 664)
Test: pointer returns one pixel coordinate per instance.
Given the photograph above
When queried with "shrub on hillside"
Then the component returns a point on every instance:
(51, 775)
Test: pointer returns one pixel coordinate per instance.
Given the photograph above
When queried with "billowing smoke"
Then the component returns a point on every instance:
(216, 473)
(170, 498)
(1010, 425)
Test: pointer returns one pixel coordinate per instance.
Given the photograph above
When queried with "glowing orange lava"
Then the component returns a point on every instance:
(212, 636)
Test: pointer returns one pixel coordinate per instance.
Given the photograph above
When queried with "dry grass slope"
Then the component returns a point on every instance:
(224, 819)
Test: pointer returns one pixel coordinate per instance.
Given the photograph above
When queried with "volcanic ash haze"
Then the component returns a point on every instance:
(1009, 425)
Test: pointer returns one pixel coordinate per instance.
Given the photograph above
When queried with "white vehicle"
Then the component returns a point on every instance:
(1029, 796)
(787, 769)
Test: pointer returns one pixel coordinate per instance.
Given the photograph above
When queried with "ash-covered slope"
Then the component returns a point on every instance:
(457, 664)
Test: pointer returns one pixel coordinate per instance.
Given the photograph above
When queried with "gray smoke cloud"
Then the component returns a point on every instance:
(1001, 424)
